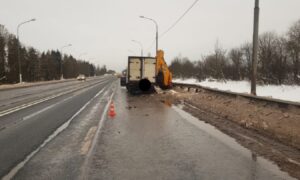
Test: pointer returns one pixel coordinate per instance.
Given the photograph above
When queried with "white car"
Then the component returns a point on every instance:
(81, 77)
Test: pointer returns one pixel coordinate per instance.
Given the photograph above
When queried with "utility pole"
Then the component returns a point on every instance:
(255, 48)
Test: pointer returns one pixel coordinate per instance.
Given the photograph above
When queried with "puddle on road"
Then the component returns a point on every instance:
(231, 142)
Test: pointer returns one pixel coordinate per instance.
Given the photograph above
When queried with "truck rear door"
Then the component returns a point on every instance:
(134, 69)
(149, 69)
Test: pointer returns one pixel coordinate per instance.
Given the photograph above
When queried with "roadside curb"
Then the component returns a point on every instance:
(41, 83)
(36, 84)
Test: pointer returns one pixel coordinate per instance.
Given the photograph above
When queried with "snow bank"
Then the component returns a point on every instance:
(284, 92)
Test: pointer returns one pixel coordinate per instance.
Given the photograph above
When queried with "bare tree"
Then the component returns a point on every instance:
(236, 56)
(293, 47)
(247, 59)
(278, 60)
(176, 67)
(279, 67)
(220, 60)
(266, 54)
(183, 67)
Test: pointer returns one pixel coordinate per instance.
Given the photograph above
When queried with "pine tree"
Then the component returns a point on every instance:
(2, 56)
(13, 71)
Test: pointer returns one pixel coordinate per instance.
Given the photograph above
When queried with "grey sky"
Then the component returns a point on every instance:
(104, 28)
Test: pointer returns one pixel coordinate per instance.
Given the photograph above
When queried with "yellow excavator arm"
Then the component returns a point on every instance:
(163, 74)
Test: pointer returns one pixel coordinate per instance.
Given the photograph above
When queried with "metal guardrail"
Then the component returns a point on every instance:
(281, 103)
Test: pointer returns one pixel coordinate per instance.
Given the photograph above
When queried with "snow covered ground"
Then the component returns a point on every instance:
(284, 92)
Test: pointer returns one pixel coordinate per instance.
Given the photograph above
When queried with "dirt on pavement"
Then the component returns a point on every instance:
(267, 129)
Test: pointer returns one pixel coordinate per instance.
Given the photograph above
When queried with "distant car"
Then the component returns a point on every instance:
(81, 77)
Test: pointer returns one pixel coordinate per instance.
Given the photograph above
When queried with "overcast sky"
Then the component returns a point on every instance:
(104, 28)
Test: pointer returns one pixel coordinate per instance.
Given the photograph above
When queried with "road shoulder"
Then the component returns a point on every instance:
(253, 126)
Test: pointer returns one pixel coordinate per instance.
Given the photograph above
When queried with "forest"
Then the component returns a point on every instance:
(278, 60)
(38, 66)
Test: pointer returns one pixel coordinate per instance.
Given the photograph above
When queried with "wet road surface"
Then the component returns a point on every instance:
(14, 97)
(152, 140)
(145, 140)
(24, 131)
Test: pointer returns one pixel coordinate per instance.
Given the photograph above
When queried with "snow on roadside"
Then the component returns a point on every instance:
(284, 92)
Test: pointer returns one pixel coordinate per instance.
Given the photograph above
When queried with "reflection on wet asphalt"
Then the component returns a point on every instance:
(151, 140)
(45, 142)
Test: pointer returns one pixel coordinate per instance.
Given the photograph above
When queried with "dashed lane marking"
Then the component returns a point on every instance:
(23, 106)
(20, 165)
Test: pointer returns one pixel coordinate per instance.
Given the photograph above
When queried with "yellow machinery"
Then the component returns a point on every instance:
(163, 74)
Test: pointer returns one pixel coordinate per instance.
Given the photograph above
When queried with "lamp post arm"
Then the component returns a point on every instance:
(156, 34)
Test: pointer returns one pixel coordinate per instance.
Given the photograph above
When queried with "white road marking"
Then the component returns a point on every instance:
(88, 140)
(23, 106)
(19, 166)
(96, 136)
(100, 125)
(14, 109)
(45, 109)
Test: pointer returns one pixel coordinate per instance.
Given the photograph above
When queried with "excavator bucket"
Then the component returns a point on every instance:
(163, 74)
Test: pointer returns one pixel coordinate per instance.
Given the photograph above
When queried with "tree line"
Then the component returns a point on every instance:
(278, 60)
(37, 66)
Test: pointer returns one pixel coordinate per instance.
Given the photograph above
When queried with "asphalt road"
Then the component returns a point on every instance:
(24, 130)
(14, 97)
(145, 140)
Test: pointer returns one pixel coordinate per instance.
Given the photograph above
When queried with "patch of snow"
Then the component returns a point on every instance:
(284, 92)
(172, 91)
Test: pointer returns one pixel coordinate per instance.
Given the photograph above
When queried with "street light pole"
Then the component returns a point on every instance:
(141, 45)
(18, 49)
(61, 68)
(255, 48)
(156, 35)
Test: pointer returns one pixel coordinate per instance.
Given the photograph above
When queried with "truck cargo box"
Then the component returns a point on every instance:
(141, 73)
